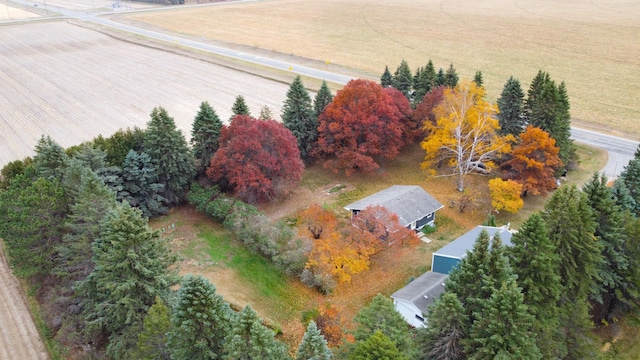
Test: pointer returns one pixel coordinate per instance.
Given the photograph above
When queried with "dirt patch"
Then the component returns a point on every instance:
(19, 337)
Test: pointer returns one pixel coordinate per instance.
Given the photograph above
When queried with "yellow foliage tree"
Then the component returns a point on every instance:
(464, 134)
(505, 195)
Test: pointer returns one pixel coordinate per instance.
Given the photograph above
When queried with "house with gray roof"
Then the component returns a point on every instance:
(413, 300)
(448, 256)
(414, 206)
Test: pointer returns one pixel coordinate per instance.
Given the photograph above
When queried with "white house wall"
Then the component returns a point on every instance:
(408, 311)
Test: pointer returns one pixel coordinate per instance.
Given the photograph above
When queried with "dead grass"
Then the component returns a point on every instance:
(592, 46)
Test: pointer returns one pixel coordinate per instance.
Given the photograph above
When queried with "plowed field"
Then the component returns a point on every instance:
(73, 83)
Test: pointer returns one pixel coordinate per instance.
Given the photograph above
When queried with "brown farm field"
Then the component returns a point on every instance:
(74, 83)
(592, 45)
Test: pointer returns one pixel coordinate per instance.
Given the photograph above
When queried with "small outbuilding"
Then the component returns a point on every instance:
(448, 256)
(415, 207)
(413, 300)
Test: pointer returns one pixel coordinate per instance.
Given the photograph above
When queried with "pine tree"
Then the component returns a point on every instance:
(141, 188)
(376, 347)
(322, 99)
(611, 235)
(152, 341)
(630, 176)
(571, 227)
(250, 340)
(441, 339)
(424, 81)
(502, 330)
(93, 201)
(169, 153)
(562, 127)
(117, 146)
(403, 79)
(631, 293)
(510, 104)
(622, 196)
(298, 116)
(534, 260)
(386, 79)
(478, 79)
(200, 322)
(50, 159)
(380, 315)
(470, 281)
(313, 345)
(33, 212)
(451, 77)
(132, 268)
(239, 107)
(204, 136)
(441, 78)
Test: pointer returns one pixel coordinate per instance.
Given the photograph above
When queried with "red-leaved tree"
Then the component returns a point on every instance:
(405, 115)
(384, 228)
(361, 123)
(258, 160)
(424, 110)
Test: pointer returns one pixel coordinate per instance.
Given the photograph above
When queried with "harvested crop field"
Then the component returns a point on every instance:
(591, 45)
(74, 83)
(19, 338)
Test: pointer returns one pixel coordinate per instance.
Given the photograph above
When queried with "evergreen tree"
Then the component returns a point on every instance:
(631, 293)
(612, 237)
(200, 322)
(204, 136)
(403, 79)
(502, 330)
(451, 77)
(322, 99)
(239, 107)
(74, 170)
(630, 176)
(441, 340)
(93, 158)
(571, 227)
(169, 153)
(534, 260)
(622, 196)
(94, 200)
(141, 188)
(510, 103)
(152, 341)
(441, 78)
(376, 347)
(424, 81)
(477, 78)
(562, 126)
(33, 212)
(380, 315)
(313, 345)
(50, 159)
(132, 268)
(386, 79)
(250, 340)
(298, 116)
(117, 146)
(470, 280)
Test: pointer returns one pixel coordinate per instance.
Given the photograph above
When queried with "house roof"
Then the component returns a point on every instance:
(423, 290)
(409, 202)
(458, 248)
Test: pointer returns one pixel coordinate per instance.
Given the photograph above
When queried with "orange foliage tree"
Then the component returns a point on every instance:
(361, 123)
(534, 162)
(464, 134)
(337, 251)
(505, 195)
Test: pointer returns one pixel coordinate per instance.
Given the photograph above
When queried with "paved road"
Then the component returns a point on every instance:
(620, 150)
